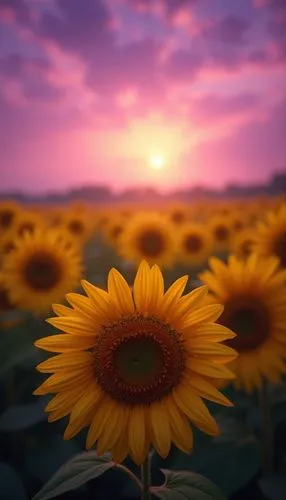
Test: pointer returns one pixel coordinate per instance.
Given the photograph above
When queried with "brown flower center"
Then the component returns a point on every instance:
(249, 318)
(138, 360)
(76, 227)
(151, 243)
(280, 248)
(8, 247)
(193, 243)
(221, 233)
(42, 272)
(6, 218)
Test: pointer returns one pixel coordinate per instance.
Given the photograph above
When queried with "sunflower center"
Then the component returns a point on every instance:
(193, 243)
(138, 360)
(151, 243)
(221, 233)
(42, 272)
(6, 218)
(76, 227)
(8, 247)
(250, 320)
(280, 248)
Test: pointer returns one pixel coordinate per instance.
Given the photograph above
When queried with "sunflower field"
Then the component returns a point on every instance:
(143, 351)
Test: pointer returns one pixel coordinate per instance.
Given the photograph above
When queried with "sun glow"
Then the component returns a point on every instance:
(157, 162)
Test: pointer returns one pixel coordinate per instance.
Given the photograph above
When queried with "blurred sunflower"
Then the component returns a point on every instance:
(242, 243)
(221, 230)
(27, 222)
(194, 244)
(40, 270)
(254, 296)
(79, 225)
(271, 235)
(114, 229)
(8, 212)
(132, 367)
(178, 214)
(7, 243)
(148, 236)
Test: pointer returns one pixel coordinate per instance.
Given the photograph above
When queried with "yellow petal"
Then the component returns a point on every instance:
(218, 352)
(171, 298)
(82, 412)
(74, 326)
(68, 361)
(156, 289)
(206, 390)
(210, 332)
(181, 432)
(103, 413)
(205, 314)
(82, 304)
(64, 381)
(120, 292)
(160, 428)
(195, 409)
(61, 310)
(141, 288)
(137, 434)
(112, 431)
(209, 368)
(65, 343)
(192, 299)
(101, 301)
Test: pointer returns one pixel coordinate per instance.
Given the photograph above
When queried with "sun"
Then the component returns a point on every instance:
(157, 161)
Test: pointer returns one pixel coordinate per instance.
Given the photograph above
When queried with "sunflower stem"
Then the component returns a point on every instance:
(132, 476)
(146, 479)
(266, 430)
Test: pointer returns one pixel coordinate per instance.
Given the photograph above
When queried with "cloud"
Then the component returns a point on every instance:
(228, 30)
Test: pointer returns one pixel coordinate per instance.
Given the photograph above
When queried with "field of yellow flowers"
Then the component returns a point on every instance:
(143, 351)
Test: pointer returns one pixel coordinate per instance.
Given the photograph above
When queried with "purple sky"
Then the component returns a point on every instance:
(92, 90)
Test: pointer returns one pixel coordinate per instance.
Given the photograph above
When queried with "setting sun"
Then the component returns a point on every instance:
(157, 162)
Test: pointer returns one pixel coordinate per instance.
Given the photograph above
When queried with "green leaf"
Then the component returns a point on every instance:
(19, 417)
(78, 471)
(187, 485)
(11, 486)
(273, 487)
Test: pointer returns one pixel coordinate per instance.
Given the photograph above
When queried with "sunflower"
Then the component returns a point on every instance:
(195, 244)
(8, 212)
(27, 222)
(7, 243)
(178, 214)
(148, 236)
(243, 242)
(254, 296)
(41, 269)
(271, 235)
(221, 230)
(114, 229)
(78, 224)
(132, 366)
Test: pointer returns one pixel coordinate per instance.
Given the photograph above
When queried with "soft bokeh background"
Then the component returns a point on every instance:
(91, 90)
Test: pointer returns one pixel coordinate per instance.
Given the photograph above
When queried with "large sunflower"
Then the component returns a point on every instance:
(41, 269)
(271, 235)
(195, 244)
(132, 366)
(254, 296)
(151, 237)
(27, 221)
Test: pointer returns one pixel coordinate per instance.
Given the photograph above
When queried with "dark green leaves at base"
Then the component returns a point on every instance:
(187, 486)
(78, 471)
(11, 486)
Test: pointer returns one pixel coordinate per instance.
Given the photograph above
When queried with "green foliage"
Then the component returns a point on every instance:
(182, 485)
(75, 473)
(11, 485)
